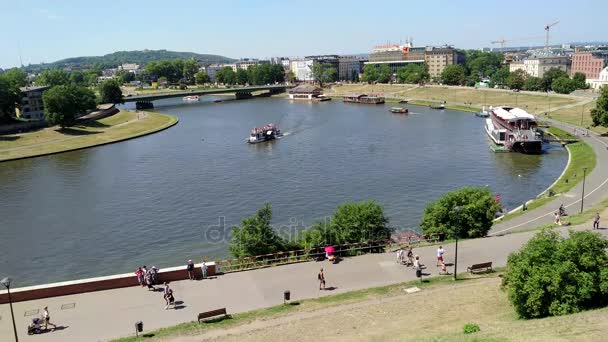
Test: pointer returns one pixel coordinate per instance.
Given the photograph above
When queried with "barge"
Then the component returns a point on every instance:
(514, 129)
(363, 98)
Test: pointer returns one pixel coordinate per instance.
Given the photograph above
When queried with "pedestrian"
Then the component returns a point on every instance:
(440, 252)
(410, 256)
(321, 278)
(140, 276)
(168, 296)
(154, 275)
(418, 267)
(596, 221)
(46, 317)
(558, 220)
(190, 269)
(401, 256)
(204, 268)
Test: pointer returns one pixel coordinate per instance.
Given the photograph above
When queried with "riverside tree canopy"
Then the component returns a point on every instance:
(467, 212)
(255, 236)
(599, 114)
(553, 276)
(62, 103)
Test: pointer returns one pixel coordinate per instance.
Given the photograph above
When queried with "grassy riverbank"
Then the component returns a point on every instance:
(121, 126)
(389, 313)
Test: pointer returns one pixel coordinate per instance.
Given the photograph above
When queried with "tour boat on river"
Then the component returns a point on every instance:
(264, 133)
(192, 98)
(514, 129)
(399, 110)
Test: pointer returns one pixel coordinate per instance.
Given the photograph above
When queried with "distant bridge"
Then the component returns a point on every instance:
(145, 101)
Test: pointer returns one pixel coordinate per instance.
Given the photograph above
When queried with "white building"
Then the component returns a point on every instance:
(538, 66)
(601, 81)
(211, 70)
(302, 69)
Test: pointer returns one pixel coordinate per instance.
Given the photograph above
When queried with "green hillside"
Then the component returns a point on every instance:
(116, 58)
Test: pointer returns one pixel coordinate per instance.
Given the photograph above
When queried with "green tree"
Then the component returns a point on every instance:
(255, 236)
(291, 77)
(242, 77)
(8, 97)
(53, 78)
(277, 73)
(473, 218)
(552, 276)
(550, 75)
(533, 84)
(384, 74)
(90, 77)
(202, 77)
(123, 76)
(172, 70)
(225, 75)
(323, 73)
(453, 75)
(110, 92)
(500, 77)
(413, 73)
(190, 69)
(370, 73)
(62, 103)
(563, 85)
(580, 80)
(599, 114)
(482, 64)
(516, 79)
(15, 77)
(77, 77)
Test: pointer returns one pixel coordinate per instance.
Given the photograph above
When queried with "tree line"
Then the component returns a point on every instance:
(254, 75)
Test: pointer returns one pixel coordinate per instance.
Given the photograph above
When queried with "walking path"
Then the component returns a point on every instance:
(104, 315)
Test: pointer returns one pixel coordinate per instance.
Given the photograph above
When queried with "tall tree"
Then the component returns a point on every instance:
(384, 74)
(255, 236)
(370, 73)
(16, 77)
(482, 64)
(241, 76)
(77, 77)
(201, 77)
(550, 75)
(500, 77)
(563, 85)
(580, 80)
(190, 69)
(225, 75)
(323, 73)
(453, 75)
(53, 78)
(599, 114)
(412, 73)
(8, 97)
(516, 79)
(110, 92)
(291, 77)
(62, 103)
(533, 84)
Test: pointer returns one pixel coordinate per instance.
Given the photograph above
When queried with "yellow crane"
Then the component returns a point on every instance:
(547, 28)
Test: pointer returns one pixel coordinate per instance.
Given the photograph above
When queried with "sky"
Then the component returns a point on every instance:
(46, 30)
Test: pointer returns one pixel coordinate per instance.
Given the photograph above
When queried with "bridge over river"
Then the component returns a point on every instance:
(145, 101)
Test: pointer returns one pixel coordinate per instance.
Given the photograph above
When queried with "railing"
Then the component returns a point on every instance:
(318, 253)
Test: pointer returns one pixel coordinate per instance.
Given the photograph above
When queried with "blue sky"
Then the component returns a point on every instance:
(45, 30)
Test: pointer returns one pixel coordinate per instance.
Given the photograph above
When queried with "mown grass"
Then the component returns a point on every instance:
(579, 116)
(121, 126)
(560, 133)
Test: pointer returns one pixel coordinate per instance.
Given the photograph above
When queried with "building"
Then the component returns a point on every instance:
(349, 68)
(537, 66)
(131, 67)
(305, 92)
(396, 56)
(302, 69)
(437, 58)
(211, 70)
(518, 65)
(590, 62)
(601, 81)
(31, 105)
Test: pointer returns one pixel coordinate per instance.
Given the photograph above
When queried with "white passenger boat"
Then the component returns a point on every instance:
(514, 129)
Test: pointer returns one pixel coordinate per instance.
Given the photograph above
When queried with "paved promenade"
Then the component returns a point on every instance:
(99, 316)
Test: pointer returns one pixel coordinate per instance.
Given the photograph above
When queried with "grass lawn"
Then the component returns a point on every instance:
(120, 126)
(437, 313)
(573, 115)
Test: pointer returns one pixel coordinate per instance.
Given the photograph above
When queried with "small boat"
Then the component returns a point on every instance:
(439, 106)
(399, 110)
(217, 101)
(264, 133)
(404, 101)
(484, 113)
(191, 98)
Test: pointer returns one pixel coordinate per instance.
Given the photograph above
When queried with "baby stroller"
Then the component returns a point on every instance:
(35, 327)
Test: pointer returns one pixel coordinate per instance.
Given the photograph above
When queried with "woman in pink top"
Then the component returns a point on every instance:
(140, 276)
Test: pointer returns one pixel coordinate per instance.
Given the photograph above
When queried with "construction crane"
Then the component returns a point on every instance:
(502, 41)
(547, 28)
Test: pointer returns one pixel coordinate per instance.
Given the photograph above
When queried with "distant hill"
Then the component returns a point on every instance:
(116, 58)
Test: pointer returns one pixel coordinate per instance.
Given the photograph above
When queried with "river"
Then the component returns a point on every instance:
(172, 196)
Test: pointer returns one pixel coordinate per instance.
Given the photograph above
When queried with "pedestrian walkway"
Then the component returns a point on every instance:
(103, 315)
(596, 190)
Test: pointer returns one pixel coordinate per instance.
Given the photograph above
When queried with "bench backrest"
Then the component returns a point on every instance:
(482, 265)
(212, 313)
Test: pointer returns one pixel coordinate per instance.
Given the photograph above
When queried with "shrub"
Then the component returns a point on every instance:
(255, 236)
(553, 276)
(474, 219)
(470, 328)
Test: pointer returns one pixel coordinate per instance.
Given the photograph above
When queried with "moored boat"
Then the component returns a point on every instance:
(514, 129)
(437, 106)
(483, 113)
(191, 98)
(264, 133)
(399, 110)
(363, 98)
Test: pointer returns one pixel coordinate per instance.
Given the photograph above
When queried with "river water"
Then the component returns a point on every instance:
(171, 196)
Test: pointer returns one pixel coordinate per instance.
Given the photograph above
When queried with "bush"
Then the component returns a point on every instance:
(470, 328)
(478, 208)
(255, 236)
(553, 276)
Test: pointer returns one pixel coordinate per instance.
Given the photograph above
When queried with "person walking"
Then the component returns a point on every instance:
(418, 268)
(168, 296)
(190, 269)
(440, 253)
(596, 221)
(204, 268)
(46, 317)
(410, 256)
(140, 276)
(321, 278)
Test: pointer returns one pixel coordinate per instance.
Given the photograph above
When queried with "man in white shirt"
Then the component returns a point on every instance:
(440, 252)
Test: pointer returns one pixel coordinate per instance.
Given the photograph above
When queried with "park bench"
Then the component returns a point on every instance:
(483, 267)
(212, 313)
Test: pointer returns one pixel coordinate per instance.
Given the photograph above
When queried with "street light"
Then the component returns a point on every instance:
(583, 192)
(457, 231)
(582, 111)
(7, 283)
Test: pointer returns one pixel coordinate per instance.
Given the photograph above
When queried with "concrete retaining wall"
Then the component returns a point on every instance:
(98, 284)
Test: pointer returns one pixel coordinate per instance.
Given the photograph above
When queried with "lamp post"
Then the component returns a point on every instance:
(582, 111)
(7, 283)
(456, 231)
(583, 192)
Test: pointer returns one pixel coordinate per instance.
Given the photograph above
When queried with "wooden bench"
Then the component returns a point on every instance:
(483, 267)
(212, 313)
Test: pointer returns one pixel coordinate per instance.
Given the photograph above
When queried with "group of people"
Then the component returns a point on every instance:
(408, 258)
(147, 277)
(36, 326)
(190, 269)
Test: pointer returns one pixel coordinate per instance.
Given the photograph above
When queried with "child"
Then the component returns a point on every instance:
(321, 278)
